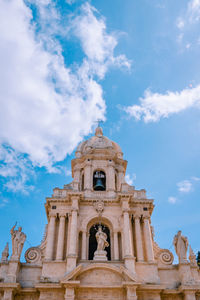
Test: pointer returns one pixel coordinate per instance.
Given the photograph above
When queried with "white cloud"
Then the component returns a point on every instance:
(155, 106)
(46, 107)
(195, 178)
(130, 178)
(96, 43)
(194, 10)
(184, 186)
(180, 23)
(172, 200)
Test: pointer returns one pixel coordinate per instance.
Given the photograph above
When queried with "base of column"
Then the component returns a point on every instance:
(71, 262)
(129, 262)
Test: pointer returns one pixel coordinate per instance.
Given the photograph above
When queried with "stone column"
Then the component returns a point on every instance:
(88, 176)
(116, 246)
(8, 294)
(110, 178)
(50, 237)
(68, 233)
(148, 239)
(72, 250)
(61, 237)
(76, 181)
(138, 238)
(126, 227)
(84, 246)
(73, 233)
(129, 259)
(120, 179)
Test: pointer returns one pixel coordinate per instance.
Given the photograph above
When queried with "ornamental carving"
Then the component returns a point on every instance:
(163, 256)
(33, 255)
(99, 206)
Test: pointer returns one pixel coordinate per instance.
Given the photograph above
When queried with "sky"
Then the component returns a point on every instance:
(133, 64)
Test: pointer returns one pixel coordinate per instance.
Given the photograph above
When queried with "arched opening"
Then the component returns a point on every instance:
(99, 181)
(93, 241)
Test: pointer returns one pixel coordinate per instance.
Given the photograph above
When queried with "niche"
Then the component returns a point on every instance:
(93, 241)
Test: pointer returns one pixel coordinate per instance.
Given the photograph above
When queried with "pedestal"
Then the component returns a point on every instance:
(185, 273)
(100, 255)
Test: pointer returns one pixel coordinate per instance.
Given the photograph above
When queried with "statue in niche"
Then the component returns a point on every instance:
(18, 239)
(181, 246)
(101, 237)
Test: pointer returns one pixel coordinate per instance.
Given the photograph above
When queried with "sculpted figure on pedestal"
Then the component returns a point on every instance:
(101, 239)
(18, 239)
(181, 245)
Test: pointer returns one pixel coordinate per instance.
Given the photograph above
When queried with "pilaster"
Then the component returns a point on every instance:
(116, 246)
(148, 239)
(131, 293)
(88, 176)
(128, 249)
(84, 245)
(69, 293)
(50, 236)
(138, 238)
(61, 237)
(8, 294)
(72, 251)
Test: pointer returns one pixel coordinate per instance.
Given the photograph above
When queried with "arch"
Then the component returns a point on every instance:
(93, 241)
(106, 222)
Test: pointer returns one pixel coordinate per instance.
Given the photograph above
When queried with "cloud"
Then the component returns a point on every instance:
(193, 10)
(172, 200)
(46, 106)
(184, 186)
(96, 43)
(154, 106)
(130, 178)
(188, 24)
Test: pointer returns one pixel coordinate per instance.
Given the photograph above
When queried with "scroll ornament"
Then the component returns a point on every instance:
(33, 255)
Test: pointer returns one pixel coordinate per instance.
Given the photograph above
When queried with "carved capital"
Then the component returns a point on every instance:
(62, 215)
(52, 214)
(137, 215)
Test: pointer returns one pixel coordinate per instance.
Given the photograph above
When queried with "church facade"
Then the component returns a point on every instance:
(99, 242)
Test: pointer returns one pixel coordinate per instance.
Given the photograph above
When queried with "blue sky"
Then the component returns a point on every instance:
(135, 65)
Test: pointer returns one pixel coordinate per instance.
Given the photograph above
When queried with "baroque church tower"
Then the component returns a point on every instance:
(99, 242)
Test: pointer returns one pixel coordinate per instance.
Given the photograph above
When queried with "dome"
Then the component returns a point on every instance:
(98, 142)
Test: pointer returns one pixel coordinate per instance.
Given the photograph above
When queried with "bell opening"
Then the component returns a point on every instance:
(99, 181)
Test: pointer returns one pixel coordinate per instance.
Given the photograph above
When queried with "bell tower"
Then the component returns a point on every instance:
(98, 166)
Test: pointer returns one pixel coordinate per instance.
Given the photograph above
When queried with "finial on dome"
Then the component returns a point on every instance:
(99, 130)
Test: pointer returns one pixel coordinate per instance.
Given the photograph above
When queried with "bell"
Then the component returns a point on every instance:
(99, 186)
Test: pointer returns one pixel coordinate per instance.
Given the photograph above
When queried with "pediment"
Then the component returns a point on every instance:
(99, 274)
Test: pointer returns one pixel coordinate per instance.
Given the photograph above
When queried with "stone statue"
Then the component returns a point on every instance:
(18, 239)
(100, 253)
(181, 245)
(101, 239)
(5, 254)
